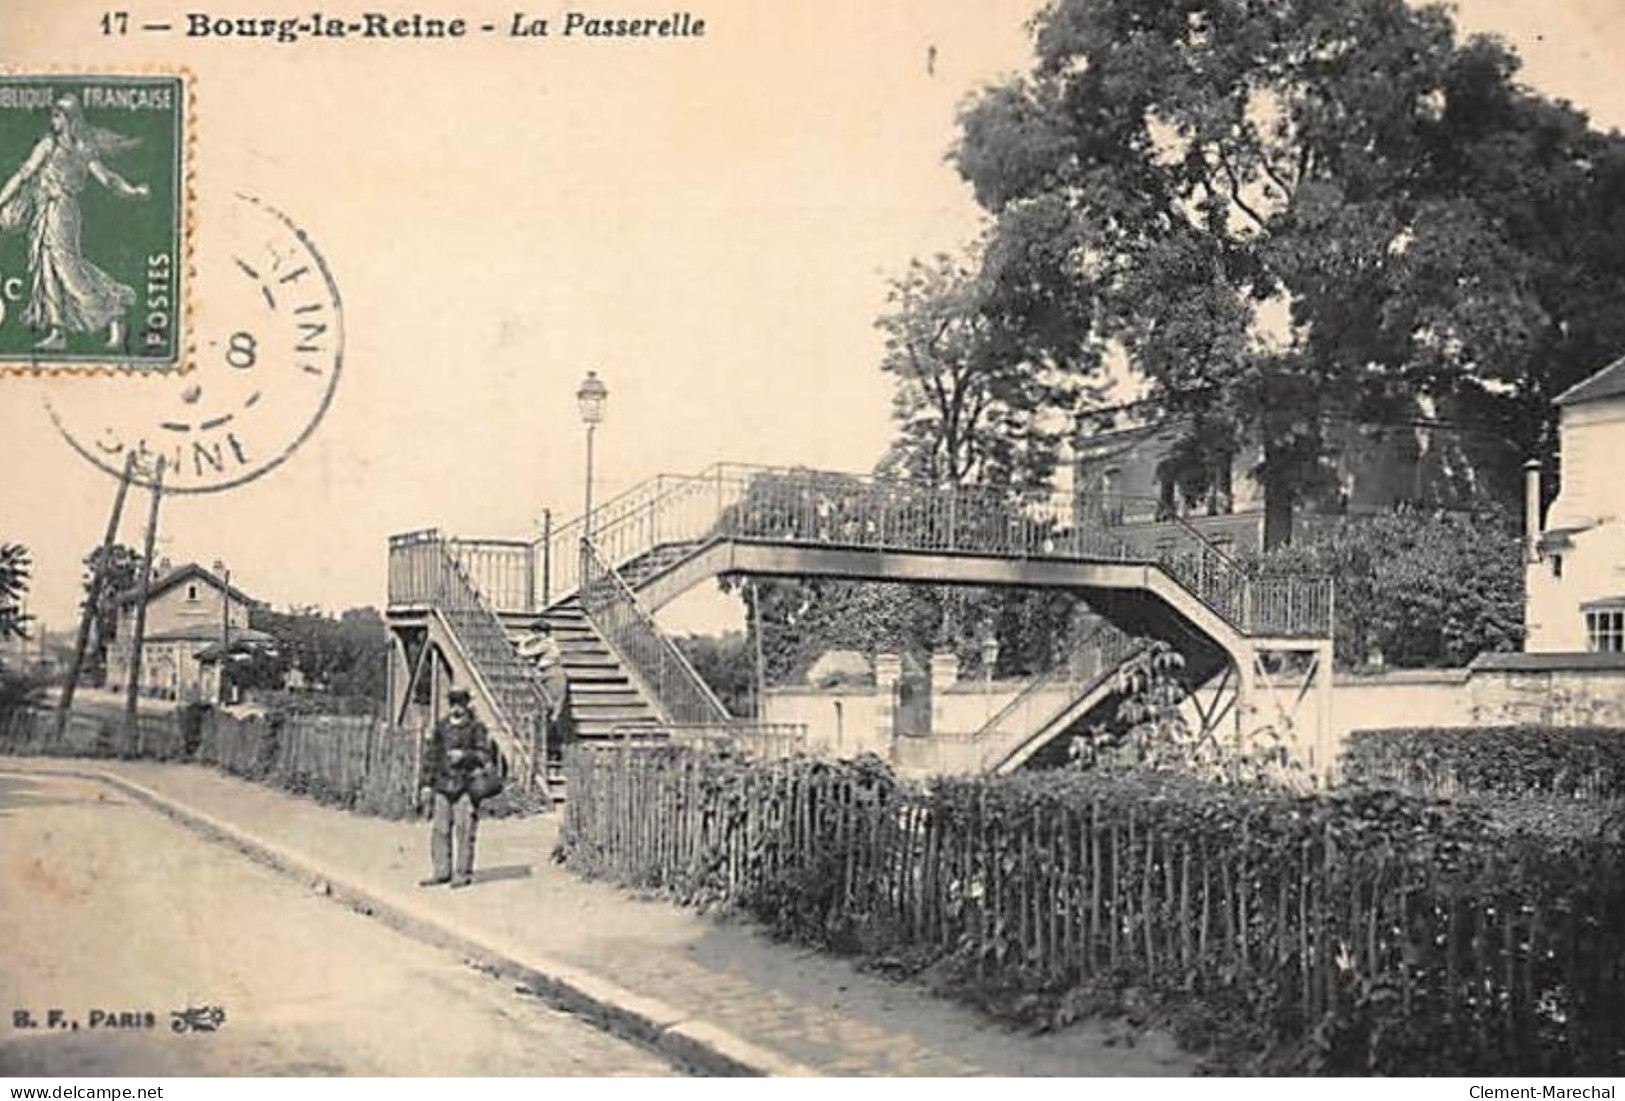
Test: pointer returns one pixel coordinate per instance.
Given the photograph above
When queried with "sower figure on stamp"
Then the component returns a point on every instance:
(455, 755)
(67, 292)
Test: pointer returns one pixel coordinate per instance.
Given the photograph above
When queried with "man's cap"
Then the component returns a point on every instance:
(542, 625)
(457, 695)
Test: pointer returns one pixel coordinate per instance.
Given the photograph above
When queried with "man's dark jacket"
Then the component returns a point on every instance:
(450, 778)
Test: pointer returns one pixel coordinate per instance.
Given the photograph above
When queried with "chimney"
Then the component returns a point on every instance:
(1531, 509)
(163, 566)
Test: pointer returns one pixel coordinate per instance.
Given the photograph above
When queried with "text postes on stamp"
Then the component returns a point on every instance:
(93, 221)
(269, 350)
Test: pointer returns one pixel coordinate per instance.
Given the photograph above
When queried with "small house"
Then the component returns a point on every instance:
(193, 616)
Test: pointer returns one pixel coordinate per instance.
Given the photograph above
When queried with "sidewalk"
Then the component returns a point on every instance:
(715, 994)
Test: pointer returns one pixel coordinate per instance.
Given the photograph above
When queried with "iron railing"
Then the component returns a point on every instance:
(808, 507)
(670, 683)
(1049, 696)
(504, 571)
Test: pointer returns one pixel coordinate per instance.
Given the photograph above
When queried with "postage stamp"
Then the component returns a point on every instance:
(94, 222)
(269, 352)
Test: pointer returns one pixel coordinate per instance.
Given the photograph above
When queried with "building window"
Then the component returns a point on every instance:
(1605, 631)
(1557, 566)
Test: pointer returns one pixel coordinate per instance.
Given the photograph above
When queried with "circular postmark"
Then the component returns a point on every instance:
(269, 349)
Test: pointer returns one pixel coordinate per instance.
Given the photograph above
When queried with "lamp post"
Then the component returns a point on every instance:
(591, 398)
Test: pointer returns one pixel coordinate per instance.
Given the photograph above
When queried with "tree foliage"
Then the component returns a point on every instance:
(1291, 209)
(15, 568)
(122, 574)
(970, 406)
(1423, 590)
(803, 619)
(728, 664)
(345, 656)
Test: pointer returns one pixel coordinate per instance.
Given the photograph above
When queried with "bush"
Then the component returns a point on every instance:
(1426, 590)
(1513, 760)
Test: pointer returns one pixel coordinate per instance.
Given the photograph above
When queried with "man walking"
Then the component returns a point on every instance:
(457, 748)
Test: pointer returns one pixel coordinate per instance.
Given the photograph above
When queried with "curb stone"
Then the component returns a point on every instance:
(695, 1043)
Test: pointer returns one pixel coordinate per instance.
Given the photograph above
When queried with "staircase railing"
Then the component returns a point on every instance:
(668, 508)
(1049, 696)
(675, 690)
(425, 570)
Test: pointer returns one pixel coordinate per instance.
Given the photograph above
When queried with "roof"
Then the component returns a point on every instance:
(245, 637)
(1606, 383)
(1115, 441)
(189, 572)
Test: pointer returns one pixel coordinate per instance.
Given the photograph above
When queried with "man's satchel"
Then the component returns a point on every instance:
(485, 782)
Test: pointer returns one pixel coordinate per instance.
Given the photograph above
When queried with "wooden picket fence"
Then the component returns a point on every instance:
(350, 761)
(90, 732)
(1442, 950)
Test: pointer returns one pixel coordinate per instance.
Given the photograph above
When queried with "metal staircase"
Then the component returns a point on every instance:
(507, 694)
(1076, 691)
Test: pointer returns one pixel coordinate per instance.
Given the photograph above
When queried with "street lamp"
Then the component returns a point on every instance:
(591, 398)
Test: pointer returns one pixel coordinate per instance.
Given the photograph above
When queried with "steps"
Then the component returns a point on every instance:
(654, 562)
(603, 699)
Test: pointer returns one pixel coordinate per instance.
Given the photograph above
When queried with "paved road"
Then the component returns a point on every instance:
(110, 912)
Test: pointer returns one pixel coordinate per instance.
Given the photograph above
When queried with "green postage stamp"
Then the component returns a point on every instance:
(93, 222)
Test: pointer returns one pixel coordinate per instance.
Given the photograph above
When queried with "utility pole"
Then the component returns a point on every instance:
(225, 637)
(133, 688)
(93, 599)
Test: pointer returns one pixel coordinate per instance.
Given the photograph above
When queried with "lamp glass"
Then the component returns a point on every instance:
(591, 398)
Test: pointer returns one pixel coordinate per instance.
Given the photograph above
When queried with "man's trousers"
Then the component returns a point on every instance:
(453, 816)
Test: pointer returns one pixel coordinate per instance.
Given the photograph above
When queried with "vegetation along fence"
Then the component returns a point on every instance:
(1363, 933)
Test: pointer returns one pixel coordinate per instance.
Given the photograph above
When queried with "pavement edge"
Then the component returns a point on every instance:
(697, 1044)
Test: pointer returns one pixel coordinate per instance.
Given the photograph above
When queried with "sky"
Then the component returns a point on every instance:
(709, 224)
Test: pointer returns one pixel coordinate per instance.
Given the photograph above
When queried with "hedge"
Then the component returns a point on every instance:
(1365, 933)
(1513, 760)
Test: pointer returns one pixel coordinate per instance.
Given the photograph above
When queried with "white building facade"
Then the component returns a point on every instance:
(1575, 580)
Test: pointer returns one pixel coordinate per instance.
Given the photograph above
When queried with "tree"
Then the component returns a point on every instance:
(970, 408)
(1287, 209)
(14, 575)
(344, 656)
(726, 663)
(122, 575)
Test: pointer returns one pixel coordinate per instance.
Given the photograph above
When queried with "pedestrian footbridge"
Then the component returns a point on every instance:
(1263, 642)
